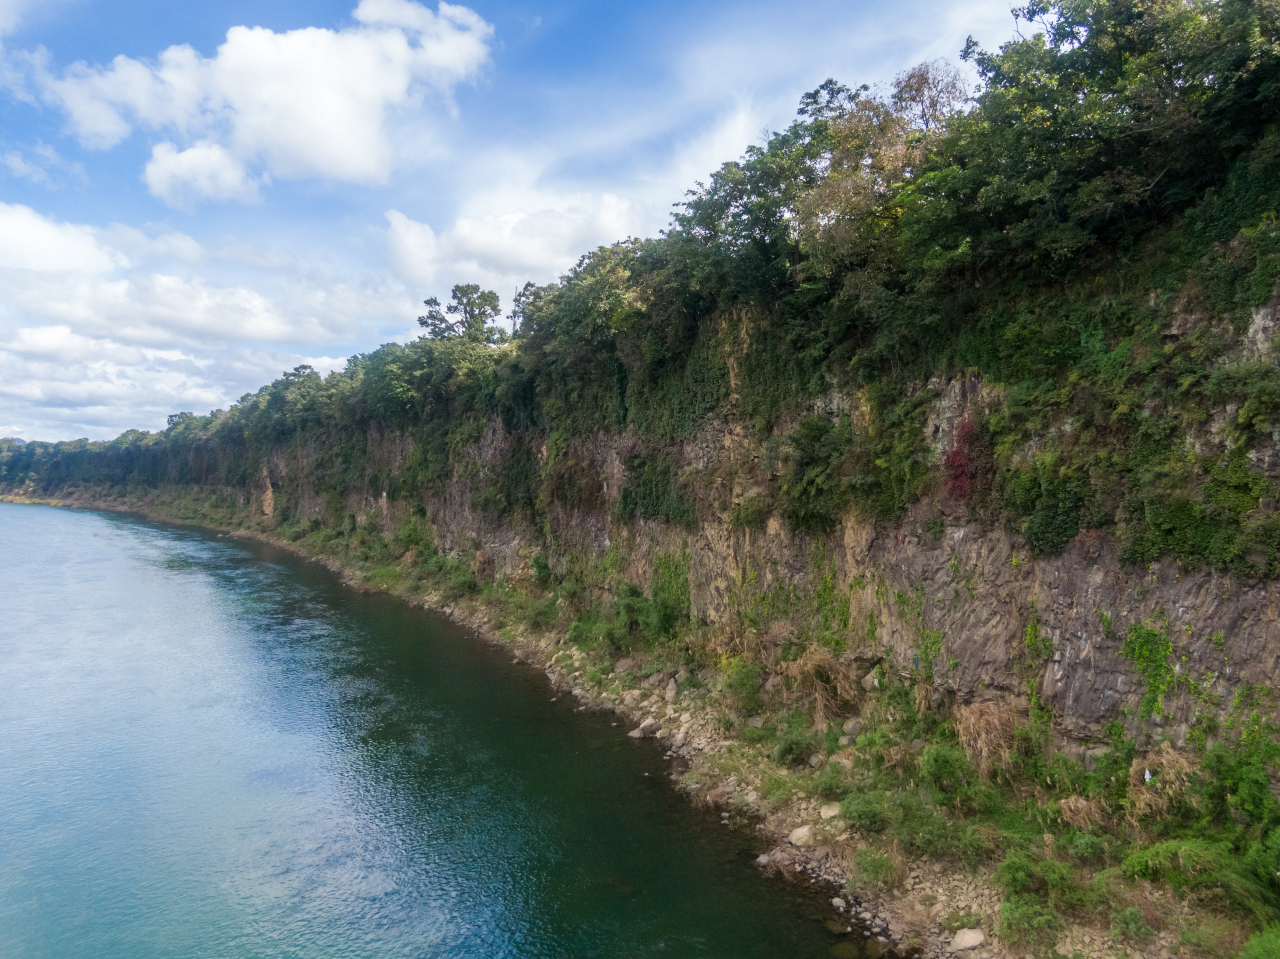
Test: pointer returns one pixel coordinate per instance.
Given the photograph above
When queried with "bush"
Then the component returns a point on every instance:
(541, 569)
(794, 746)
(742, 682)
(1213, 869)
(1129, 924)
(961, 920)
(1263, 945)
(462, 583)
(752, 512)
(1026, 921)
(919, 827)
(945, 767)
(875, 868)
(831, 782)
(866, 811)
(1083, 846)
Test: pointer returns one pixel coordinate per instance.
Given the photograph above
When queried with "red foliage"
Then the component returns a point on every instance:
(968, 464)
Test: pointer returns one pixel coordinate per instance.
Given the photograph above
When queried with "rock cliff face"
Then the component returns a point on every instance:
(939, 592)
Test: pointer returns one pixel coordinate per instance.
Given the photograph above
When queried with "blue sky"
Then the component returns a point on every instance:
(196, 197)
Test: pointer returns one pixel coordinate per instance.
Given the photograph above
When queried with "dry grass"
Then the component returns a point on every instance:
(1083, 814)
(1158, 782)
(924, 699)
(986, 732)
(816, 674)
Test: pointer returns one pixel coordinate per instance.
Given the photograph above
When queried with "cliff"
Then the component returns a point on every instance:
(955, 416)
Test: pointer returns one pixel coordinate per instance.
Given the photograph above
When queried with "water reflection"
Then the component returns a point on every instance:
(211, 749)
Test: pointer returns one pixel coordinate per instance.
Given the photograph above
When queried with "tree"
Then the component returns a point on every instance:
(847, 223)
(466, 317)
(524, 306)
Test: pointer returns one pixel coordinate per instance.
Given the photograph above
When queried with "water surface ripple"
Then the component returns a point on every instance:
(209, 748)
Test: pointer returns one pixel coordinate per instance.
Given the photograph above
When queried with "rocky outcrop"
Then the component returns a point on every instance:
(936, 593)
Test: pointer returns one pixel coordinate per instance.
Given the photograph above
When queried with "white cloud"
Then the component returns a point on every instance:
(309, 102)
(29, 242)
(504, 249)
(41, 164)
(203, 171)
(19, 167)
(95, 339)
(11, 12)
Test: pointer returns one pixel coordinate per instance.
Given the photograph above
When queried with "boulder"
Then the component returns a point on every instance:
(830, 810)
(1092, 756)
(967, 939)
(869, 681)
(624, 664)
(756, 721)
(852, 727)
(672, 689)
(839, 904)
(801, 836)
(816, 760)
(680, 739)
(646, 728)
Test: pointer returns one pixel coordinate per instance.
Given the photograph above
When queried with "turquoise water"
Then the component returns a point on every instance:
(209, 748)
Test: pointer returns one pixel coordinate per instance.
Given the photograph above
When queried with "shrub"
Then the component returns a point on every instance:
(866, 811)
(541, 569)
(463, 582)
(831, 782)
(755, 735)
(1129, 924)
(1212, 869)
(752, 512)
(1026, 921)
(1263, 945)
(875, 868)
(920, 828)
(1083, 846)
(793, 747)
(961, 920)
(944, 767)
(742, 682)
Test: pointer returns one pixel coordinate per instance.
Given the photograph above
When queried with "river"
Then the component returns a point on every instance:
(210, 748)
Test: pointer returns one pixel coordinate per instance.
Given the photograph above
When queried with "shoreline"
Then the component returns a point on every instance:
(806, 839)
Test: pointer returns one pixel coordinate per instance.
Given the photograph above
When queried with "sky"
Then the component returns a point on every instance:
(195, 198)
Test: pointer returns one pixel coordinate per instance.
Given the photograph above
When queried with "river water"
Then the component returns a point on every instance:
(209, 748)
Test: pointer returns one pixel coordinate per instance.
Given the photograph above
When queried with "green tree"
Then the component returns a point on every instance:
(468, 316)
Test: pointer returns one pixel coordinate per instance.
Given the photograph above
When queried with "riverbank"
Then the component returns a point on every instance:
(829, 798)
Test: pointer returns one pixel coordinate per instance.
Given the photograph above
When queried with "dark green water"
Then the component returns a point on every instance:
(211, 749)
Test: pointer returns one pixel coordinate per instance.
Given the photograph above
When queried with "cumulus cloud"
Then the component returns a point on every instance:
(504, 249)
(308, 102)
(30, 242)
(104, 329)
(203, 171)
